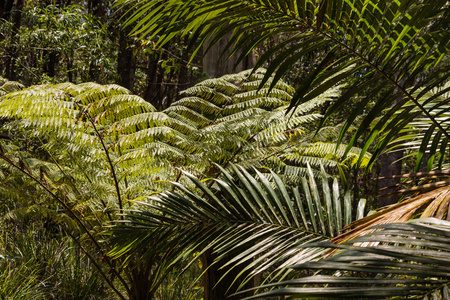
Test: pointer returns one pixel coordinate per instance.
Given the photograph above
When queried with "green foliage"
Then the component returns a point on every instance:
(20, 282)
(259, 223)
(44, 265)
(56, 44)
(399, 259)
(385, 46)
(238, 121)
(7, 86)
(219, 121)
(93, 150)
(420, 137)
(392, 54)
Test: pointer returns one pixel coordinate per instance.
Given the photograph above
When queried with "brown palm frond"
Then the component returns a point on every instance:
(435, 203)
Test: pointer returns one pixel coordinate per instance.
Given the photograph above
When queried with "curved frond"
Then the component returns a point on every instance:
(434, 204)
(383, 47)
(409, 260)
(261, 222)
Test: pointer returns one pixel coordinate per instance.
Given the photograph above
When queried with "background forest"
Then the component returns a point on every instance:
(221, 149)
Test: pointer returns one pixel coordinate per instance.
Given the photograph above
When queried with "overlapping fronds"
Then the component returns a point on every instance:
(7, 86)
(391, 50)
(420, 137)
(434, 203)
(240, 121)
(212, 100)
(89, 129)
(76, 124)
(408, 260)
(260, 223)
(324, 154)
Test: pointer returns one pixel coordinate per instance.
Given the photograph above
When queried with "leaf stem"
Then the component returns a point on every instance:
(111, 166)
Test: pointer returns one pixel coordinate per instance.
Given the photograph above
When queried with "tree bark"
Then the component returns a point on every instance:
(216, 63)
(50, 63)
(153, 91)
(220, 290)
(390, 164)
(126, 61)
(17, 19)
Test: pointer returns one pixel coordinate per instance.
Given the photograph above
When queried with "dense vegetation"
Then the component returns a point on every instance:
(127, 173)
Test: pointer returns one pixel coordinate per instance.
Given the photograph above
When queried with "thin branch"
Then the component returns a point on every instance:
(99, 269)
(111, 166)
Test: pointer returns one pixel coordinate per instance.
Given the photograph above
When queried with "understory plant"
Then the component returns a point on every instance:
(394, 55)
(91, 152)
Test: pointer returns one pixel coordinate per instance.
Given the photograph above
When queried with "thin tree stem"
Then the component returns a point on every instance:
(99, 269)
(111, 166)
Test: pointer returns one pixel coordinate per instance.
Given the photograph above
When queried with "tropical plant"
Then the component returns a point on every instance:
(95, 149)
(7, 86)
(226, 120)
(41, 264)
(393, 48)
(253, 224)
(20, 282)
(238, 121)
(67, 166)
(398, 259)
(56, 43)
(392, 52)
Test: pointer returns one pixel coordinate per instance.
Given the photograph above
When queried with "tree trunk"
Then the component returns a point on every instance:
(50, 63)
(70, 71)
(5, 9)
(216, 63)
(126, 61)
(94, 73)
(17, 19)
(138, 273)
(390, 164)
(220, 290)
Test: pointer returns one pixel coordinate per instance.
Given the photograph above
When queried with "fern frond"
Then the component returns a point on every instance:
(264, 92)
(260, 102)
(207, 93)
(222, 85)
(241, 115)
(199, 104)
(190, 114)
(326, 154)
(156, 150)
(10, 86)
(141, 137)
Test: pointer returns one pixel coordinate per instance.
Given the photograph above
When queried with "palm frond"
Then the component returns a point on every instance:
(429, 204)
(408, 260)
(383, 47)
(420, 136)
(261, 222)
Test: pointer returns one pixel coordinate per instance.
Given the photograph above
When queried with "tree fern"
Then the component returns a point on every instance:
(7, 86)
(391, 50)
(101, 148)
(240, 122)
